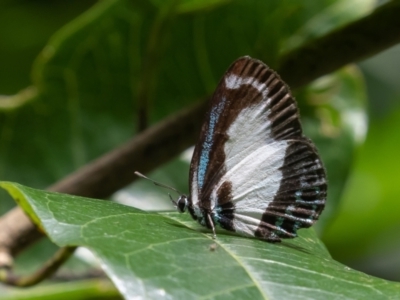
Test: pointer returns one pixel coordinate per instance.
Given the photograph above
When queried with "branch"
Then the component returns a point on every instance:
(354, 42)
(145, 152)
(109, 173)
(48, 269)
(158, 144)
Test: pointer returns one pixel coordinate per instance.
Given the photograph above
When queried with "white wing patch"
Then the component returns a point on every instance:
(195, 190)
(253, 160)
(255, 181)
(234, 82)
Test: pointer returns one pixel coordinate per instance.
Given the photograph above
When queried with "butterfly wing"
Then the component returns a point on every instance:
(252, 167)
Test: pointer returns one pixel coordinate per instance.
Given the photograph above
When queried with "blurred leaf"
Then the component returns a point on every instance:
(166, 255)
(192, 6)
(121, 55)
(93, 74)
(330, 18)
(25, 27)
(144, 195)
(334, 116)
(371, 202)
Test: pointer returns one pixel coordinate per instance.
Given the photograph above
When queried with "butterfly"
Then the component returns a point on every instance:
(253, 171)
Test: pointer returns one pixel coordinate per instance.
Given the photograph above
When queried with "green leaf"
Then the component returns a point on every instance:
(329, 18)
(169, 255)
(88, 78)
(94, 73)
(334, 116)
(371, 201)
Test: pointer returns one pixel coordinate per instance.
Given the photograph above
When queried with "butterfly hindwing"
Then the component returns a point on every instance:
(301, 195)
(252, 169)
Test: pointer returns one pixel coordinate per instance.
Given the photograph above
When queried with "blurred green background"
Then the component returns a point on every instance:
(94, 65)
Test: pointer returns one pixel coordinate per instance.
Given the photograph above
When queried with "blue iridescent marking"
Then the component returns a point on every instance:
(298, 221)
(313, 208)
(216, 214)
(279, 222)
(274, 235)
(205, 153)
(297, 225)
(218, 208)
(216, 218)
(279, 230)
(316, 202)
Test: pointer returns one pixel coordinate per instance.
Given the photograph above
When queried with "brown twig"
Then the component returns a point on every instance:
(354, 42)
(114, 170)
(100, 179)
(45, 271)
(165, 140)
(146, 151)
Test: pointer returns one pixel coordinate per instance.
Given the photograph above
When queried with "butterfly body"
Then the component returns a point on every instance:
(253, 171)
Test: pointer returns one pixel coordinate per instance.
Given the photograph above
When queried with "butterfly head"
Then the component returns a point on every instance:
(181, 204)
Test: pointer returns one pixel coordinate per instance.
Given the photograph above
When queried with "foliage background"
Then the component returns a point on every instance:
(364, 231)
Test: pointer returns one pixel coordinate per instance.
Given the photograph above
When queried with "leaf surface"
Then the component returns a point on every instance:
(152, 255)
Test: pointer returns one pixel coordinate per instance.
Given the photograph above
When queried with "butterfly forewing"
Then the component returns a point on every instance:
(252, 169)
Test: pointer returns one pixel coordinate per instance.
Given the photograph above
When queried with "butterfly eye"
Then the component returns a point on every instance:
(181, 203)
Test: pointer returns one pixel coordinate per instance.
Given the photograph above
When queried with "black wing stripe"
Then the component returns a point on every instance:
(302, 191)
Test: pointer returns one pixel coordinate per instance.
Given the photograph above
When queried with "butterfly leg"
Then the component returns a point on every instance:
(211, 223)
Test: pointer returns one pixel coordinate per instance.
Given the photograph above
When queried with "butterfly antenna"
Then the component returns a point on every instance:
(173, 201)
(158, 184)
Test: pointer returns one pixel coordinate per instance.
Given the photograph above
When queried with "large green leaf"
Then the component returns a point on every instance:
(154, 255)
(92, 76)
(88, 79)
